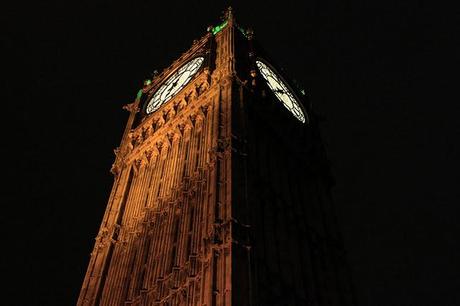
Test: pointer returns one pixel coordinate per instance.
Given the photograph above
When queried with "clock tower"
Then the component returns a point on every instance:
(221, 190)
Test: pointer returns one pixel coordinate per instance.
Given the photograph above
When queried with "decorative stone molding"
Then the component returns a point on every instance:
(131, 107)
(158, 130)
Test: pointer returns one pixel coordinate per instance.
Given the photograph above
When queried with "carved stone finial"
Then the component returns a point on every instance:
(160, 121)
(115, 170)
(138, 164)
(228, 15)
(159, 145)
(170, 114)
(170, 136)
(193, 118)
(181, 127)
(150, 153)
(131, 107)
(146, 132)
(250, 33)
(204, 109)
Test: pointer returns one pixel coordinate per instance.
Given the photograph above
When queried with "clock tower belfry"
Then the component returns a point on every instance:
(221, 190)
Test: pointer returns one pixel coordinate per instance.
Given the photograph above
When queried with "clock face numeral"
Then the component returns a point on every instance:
(174, 84)
(281, 90)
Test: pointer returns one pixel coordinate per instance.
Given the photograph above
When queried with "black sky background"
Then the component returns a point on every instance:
(373, 71)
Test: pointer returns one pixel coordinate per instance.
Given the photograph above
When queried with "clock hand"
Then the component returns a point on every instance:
(172, 87)
(178, 80)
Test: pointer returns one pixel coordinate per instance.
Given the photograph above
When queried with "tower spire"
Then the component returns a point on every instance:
(228, 15)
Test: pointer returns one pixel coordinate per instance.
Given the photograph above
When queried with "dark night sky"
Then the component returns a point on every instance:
(390, 126)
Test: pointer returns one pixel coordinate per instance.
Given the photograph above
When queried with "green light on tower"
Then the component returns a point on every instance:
(219, 28)
(243, 32)
(139, 94)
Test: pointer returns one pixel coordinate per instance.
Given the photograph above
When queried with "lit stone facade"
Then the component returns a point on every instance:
(209, 206)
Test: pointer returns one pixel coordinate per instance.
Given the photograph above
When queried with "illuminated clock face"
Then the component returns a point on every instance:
(281, 90)
(174, 84)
